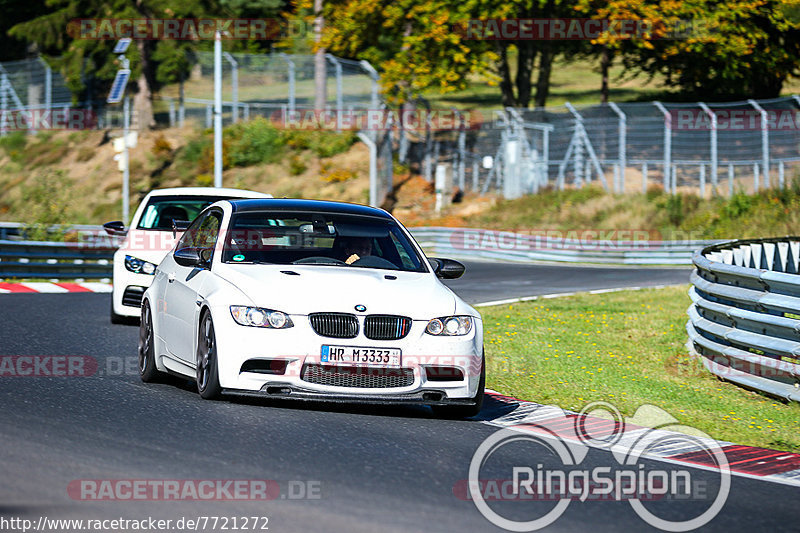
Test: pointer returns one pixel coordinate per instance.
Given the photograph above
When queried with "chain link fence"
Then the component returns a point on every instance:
(714, 148)
(704, 148)
(277, 86)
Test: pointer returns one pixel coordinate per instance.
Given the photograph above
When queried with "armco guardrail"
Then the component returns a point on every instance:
(90, 257)
(54, 260)
(744, 319)
(623, 248)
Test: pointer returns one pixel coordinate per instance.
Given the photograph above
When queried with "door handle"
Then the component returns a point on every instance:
(171, 277)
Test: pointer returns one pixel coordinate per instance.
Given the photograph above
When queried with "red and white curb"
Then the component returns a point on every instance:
(675, 447)
(45, 287)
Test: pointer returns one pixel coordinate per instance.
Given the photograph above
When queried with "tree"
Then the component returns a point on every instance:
(709, 49)
(153, 62)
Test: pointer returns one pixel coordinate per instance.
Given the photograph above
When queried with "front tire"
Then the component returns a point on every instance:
(465, 411)
(115, 318)
(147, 359)
(207, 370)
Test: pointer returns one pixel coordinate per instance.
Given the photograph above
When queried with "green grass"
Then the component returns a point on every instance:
(773, 212)
(626, 348)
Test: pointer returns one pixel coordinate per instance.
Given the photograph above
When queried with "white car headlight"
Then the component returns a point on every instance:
(139, 266)
(260, 318)
(450, 326)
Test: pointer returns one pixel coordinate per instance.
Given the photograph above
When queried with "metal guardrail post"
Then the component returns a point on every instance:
(623, 127)
(234, 86)
(667, 147)
(764, 140)
(713, 117)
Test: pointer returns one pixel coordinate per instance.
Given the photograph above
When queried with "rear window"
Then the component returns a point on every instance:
(162, 210)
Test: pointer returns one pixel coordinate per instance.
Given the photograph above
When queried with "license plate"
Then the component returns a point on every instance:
(337, 355)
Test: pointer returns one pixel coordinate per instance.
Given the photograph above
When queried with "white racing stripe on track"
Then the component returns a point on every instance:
(561, 294)
(96, 286)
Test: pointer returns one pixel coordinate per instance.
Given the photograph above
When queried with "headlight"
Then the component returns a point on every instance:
(260, 318)
(450, 326)
(139, 266)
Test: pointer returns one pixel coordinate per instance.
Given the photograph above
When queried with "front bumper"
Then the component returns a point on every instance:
(300, 345)
(287, 391)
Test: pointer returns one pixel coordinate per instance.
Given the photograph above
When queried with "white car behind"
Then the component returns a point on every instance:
(151, 236)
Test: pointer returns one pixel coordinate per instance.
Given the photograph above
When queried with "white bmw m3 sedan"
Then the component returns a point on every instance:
(311, 300)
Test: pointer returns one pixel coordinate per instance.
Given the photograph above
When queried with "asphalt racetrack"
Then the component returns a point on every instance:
(336, 468)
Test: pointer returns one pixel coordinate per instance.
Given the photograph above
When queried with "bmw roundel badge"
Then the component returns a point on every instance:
(361, 308)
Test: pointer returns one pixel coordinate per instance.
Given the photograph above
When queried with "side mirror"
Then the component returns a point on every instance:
(193, 257)
(115, 228)
(179, 225)
(447, 268)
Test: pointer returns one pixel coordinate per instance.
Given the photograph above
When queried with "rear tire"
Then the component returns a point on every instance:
(147, 359)
(207, 371)
(465, 411)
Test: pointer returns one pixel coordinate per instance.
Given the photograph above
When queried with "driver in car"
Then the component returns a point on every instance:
(354, 248)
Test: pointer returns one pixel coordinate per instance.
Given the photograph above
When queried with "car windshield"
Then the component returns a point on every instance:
(326, 239)
(162, 210)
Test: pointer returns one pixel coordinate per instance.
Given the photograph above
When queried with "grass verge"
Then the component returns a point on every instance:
(626, 348)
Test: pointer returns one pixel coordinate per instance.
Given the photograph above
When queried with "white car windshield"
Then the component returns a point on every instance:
(325, 239)
(162, 210)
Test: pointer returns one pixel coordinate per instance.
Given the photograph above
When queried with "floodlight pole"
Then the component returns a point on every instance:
(126, 126)
(126, 176)
(218, 109)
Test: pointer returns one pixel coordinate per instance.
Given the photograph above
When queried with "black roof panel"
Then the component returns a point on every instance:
(293, 204)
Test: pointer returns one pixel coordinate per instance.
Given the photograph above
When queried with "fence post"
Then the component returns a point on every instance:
(48, 84)
(667, 145)
(764, 140)
(171, 112)
(339, 105)
(781, 171)
(373, 167)
(234, 86)
(3, 103)
(208, 115)
(730, 179)
(755, 176)
(291, 75)
(181, 104)
(702, 181)
(623, 127)
(578, 152)
(374, 75)
(713, 117)
(546, 156)
(644, 177)
(462, 143)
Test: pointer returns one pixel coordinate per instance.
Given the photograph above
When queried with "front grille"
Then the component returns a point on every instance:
(337, 325)
(358, 377)
(132, 297)
(386, 327)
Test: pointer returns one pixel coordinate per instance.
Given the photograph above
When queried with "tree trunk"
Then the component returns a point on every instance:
(320, 68)
(606, 58)
(543, 80)
(527, 55)
(506, 88)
